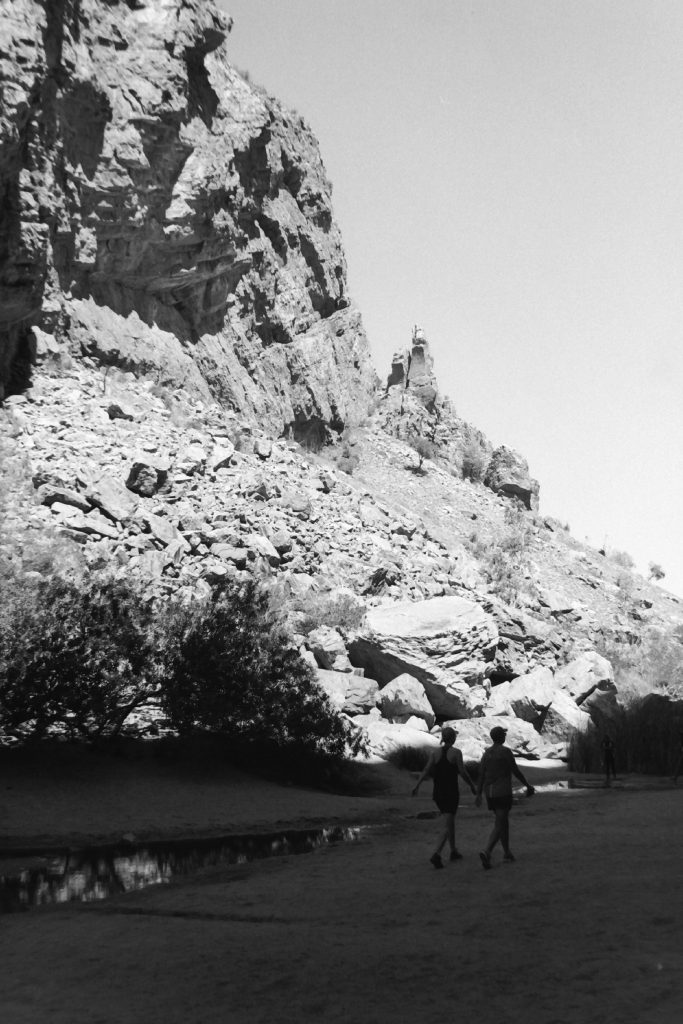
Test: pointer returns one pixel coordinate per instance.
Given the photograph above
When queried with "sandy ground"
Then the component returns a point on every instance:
(584, 928)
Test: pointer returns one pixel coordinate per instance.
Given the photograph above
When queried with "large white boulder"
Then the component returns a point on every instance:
(349, 693)
(474, 736)
(525, 697)
(444, 642)
(384, 737)
(335, 686)
(585, 674)
(405, 697)
(327, 645)
(562, 717)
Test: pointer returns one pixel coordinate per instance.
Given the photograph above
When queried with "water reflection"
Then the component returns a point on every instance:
(99, 872)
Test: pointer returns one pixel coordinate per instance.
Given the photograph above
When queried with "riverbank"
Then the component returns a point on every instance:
(582, 929)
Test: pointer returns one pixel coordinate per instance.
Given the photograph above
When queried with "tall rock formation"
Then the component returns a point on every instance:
(159, 212)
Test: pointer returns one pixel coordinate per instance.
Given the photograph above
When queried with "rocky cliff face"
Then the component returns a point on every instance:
(160, 213)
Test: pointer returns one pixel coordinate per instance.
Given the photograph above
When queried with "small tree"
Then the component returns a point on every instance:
(232, 669)
(474, 462)
(655, 572)
(423, 448)
(76, 656)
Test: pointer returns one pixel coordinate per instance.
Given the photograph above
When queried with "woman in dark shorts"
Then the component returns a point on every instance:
(445, 766)
(497, 767)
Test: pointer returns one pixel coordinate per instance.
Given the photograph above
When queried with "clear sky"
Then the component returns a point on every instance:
(508, 175)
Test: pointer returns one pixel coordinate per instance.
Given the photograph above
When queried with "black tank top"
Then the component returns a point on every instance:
(445, 777)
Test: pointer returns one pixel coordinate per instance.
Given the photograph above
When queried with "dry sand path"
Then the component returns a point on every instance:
(585, 928)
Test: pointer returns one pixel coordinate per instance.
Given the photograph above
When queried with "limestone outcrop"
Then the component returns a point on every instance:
(162, 214)
(508, 473)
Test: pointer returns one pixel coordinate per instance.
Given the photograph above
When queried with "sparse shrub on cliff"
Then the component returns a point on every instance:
(655, 572)
(505, 559)
(621, 558)
(347, 460)
(231, 669)
(655, 663)
(424, 449)
(474, 462)
(340, 611)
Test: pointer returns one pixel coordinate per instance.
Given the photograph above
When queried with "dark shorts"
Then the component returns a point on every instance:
(499, 803)
(447, 805)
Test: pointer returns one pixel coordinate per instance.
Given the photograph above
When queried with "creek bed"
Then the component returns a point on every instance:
(39, 878)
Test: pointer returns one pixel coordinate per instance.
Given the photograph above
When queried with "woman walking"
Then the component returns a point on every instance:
(445, 766)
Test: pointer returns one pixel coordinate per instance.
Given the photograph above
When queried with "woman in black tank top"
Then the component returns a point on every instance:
(445, 766)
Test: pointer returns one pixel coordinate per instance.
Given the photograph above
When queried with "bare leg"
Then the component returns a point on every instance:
(448, 834)
(500, 831)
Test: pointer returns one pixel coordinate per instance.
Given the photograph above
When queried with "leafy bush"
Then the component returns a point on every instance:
(645, 736)
(506, 560)
(231, 669)
(655, 663)
(77, 656)
(340, 611)
(621, 558)
(474, 462)
(423, 448)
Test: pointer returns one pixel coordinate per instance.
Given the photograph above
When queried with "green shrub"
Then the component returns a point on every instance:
(621, 558)
(232, 669)
(506, 561)
(423, 448)
(655, 663)
(475, 459)
(340, 611)
(77, 656)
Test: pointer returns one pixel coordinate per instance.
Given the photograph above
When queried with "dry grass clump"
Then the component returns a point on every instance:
(646, 736)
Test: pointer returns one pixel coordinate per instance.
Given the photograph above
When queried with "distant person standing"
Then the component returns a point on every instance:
(445, 766)
(608, 757)
(497, 767)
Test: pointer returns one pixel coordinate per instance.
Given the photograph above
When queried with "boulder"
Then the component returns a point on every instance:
(147, 474)
(221, 456)
(230, 553)
(263, 447)
(113, 498)
(585, 674)
(299, 503)
(526, 697)
(335, 686)
(191, 460)
(449, 699)
(474, 736)
(163, 530)
(361, 696)
(327, 645)
(561, 718)
(260, 547)
(405, 697)
(508, 474)
(444, 642)
(383, 737)
(48, 494)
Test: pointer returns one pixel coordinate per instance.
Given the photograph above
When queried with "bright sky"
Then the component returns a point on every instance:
(508, 175)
